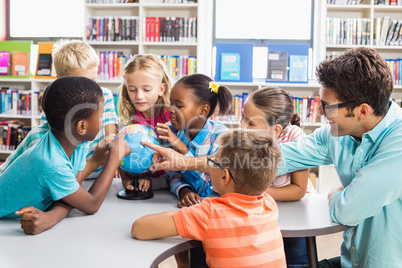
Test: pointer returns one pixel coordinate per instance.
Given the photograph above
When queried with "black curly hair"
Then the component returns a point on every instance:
(76, 95)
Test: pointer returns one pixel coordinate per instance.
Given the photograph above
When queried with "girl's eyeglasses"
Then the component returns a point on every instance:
(210, 162)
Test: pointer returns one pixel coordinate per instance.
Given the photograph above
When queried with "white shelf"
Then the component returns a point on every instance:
(15, 116)
(6, 152)
(111, 6)
(114, 43)
(170, 6)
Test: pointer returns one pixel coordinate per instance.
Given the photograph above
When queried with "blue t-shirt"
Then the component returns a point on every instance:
(41, 175)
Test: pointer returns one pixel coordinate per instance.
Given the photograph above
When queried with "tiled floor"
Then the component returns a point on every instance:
(328, 246)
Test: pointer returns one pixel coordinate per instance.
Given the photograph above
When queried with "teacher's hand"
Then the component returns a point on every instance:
(166, 158)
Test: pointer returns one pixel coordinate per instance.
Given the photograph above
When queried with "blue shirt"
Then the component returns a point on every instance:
(206, 142)
(40, 175)
(371, 202)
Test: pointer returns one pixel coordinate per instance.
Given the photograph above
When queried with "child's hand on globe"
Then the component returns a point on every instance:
(144, 184)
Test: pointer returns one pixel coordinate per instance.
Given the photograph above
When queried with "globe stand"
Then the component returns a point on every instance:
(136, 194)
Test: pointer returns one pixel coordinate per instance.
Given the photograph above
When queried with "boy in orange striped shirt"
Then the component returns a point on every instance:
(240, 228)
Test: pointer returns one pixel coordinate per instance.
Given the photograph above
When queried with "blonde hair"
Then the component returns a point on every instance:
(153, 65)
(253, 158)
(70, 55)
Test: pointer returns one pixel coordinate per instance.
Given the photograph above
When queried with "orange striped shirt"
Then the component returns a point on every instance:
(236, 230)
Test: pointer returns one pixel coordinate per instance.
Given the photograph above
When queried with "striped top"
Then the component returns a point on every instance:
(289, 134)
(236, 230)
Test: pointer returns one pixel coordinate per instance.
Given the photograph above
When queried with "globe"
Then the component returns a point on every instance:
(140, 158)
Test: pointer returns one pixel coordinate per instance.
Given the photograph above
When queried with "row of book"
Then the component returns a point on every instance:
(387, 31)
(344, 2)
(179, 66)
(396, 69)
(11, 134)
(388, 2)
(107, 28)
(348, 31)
(305, 107)
(17, 102)
(111, 64)
(170, 29)
(14, 63)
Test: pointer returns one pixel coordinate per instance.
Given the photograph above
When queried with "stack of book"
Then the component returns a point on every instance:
(387, 31)
(179, 66)
(170, 29)
(109, 28)
(396, 69)
(348, 31)
(11, 134)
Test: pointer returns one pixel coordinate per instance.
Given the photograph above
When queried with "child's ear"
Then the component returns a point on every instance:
(225, 179)
(163, 89)
(204, 111)
(276, 130)
(81, 127)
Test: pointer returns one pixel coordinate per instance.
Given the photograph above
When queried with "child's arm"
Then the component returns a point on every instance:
(295, 190)
(154, 226)
(99, 156)
(35, 221)
(174, 161)
(89, 202)
(165, 133)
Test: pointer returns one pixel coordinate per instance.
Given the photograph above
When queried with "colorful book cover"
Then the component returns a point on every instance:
(230, 66)
(4, 62)
(298, 68)
(277, 66)
(20, 63)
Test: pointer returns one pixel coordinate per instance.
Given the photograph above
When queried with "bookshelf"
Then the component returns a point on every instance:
(26, 119)
(142, 11)
(367, 14)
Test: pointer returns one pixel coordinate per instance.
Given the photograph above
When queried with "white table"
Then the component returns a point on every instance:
(104, 239)
(99, 240)
(308, 218)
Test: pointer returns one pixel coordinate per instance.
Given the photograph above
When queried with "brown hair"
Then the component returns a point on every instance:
(153, 65)
(253, 158)
(277, 106)
(360, 75)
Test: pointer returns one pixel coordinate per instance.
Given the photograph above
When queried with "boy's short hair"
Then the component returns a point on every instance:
(71, 55)
(253, 157)
(72, 98)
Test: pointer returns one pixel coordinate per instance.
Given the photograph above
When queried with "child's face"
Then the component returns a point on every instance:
(88, 73)
(254, 118)
(216, 172)
(144, 90)
(95, 121)
(184, 112)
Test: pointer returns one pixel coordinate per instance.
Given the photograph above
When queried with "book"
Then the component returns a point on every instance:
(298, 68)
(20, 63)
(44, 64)
(277, 66)
(385, 22)
(4, 62)
(230, 66)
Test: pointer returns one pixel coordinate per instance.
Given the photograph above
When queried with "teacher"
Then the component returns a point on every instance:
(363, 140)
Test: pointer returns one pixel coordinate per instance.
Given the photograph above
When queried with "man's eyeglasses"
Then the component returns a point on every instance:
(210, 162)
(335, 106)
